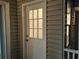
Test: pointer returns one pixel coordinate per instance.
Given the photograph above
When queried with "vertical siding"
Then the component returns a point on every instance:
(13, 27)
(54, 29)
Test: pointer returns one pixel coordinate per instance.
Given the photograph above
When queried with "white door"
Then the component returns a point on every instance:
(35, 31)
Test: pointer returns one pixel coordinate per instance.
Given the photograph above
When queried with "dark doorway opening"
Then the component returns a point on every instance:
(71, 42)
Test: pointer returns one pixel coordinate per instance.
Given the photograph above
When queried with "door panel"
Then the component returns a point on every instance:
(36, 45)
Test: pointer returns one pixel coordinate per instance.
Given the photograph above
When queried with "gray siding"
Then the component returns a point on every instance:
(54, 29)
(14, 28)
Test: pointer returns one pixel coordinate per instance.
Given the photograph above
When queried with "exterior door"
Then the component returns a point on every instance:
(35, 31)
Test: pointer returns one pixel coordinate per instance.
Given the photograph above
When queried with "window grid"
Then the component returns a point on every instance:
(36, 30)
(36, 18)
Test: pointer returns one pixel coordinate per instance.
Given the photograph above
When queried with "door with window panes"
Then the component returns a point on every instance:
(35, 31)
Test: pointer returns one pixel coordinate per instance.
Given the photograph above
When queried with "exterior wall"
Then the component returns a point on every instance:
(54, 29)
(13, 27)
(20, 41)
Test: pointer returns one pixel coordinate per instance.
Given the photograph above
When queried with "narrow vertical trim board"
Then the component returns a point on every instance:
(63, 26)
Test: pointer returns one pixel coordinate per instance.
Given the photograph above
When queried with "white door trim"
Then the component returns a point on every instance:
(24, 19)
(33, 2)
(6, 21)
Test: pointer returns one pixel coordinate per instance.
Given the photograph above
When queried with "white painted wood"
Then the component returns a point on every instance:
(76, 8)
(24, 34)
(8, 36)
(33, 2)
(73, 56)
(35, 47)
(6, 21)
(3, 3)
(73, 53)
(39, 42)
(68, 55)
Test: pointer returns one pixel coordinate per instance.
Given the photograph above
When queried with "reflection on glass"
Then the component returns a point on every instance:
(35, 23)
(67, 34)
(40, 13)
(68, 8)
(40, 23)
(68, 23)
(68, 19)
(35, 14)
(35, 33)
(31, 32)
(30, 23)
(40, 33)
(31, 14)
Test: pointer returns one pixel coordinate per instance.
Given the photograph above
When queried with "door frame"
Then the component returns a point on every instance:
(77, 9)
(6, 24)
(24, 20)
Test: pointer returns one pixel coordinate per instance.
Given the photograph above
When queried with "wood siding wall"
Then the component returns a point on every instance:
(13, 27)
(20, 40)
(54, 29)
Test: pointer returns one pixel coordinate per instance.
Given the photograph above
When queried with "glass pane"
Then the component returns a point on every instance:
(67, 34)
(35, 23)
(40, 23)
(30, 14)
(68, 7)
(35, 14)
(40, 35)
(40, 13)
(30, 32)
(30, 23)
(68, 19)
(35, 33)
